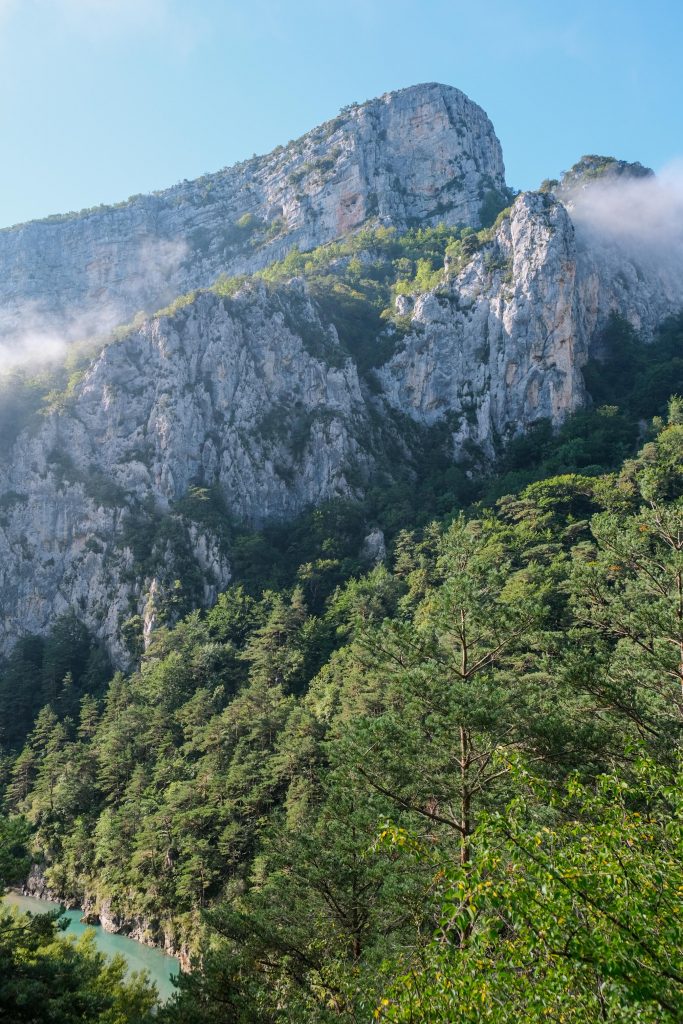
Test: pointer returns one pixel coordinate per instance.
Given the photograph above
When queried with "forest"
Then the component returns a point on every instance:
(442, 787)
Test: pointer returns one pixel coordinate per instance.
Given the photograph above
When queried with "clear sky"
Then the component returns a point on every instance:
(100, 99)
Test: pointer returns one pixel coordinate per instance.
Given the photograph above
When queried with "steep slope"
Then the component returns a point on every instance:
(253, 395)
(327, 374)
(213, 394)
(501, 344)
(424, 154)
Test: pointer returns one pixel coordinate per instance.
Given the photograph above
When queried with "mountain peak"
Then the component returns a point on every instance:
(424, 154)
(593, 167)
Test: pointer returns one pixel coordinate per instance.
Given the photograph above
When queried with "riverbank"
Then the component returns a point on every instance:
(96, 910)
(139, 957)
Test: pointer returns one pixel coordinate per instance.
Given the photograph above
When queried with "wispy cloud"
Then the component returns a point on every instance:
(642, 215)
(633, 229)
(31, 349)
(35, 332)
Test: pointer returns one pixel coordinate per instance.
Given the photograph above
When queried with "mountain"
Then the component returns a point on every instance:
(379, 515)
(427, 311)
(418, 156)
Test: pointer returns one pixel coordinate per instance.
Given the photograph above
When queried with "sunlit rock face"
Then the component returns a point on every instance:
(421, 155)
(501, 345)
(629, 241)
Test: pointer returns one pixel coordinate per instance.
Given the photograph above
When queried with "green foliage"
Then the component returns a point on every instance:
(426, 279)
(14, 861)
(574, 918)
(493, 203)
(58, 670)
(355, 281)
(588, 442)
(182, 302)
(44, 977)
(206, 505)
(247, 222)
(592, 166)
(232, 788)
(638, 378)
(320, 549)
(26, 392)
(227, 287)
(318, 933)
(630, 383)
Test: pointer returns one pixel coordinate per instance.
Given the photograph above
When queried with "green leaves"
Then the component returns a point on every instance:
(578, 919)
(629, 594)
(460, 707)
(14, 838)
(45, 977)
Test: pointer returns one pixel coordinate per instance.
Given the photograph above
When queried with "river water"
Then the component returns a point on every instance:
(140, 958)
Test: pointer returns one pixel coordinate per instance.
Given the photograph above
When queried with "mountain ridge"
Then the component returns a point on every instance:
(293, 143)
(426, 153)
(308, 383)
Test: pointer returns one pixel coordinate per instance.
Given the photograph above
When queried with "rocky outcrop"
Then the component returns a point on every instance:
(374, 548)
(38, 886)
(98, 910)
(500, 345)
(144, 930)
(251, 401)
(629, 242)
(423, 154)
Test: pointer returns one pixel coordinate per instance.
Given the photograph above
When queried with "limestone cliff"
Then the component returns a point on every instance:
(224, 393)
(250, 393)
(501, 345)
(423, 154)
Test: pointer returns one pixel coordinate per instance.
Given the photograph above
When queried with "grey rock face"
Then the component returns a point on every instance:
(424, 154)
(374, 547)
(254, 397)
(226, 395)
(642, 284)
(501, 345)
(629, 241)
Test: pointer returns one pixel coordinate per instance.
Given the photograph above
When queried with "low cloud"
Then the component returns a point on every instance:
(32, 333)
(642, 216)
(32, 338)
(151, 271)
(32, 348)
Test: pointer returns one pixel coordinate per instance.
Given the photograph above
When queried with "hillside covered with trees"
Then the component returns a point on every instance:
(445, 786)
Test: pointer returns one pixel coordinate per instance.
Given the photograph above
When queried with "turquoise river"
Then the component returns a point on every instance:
(140, 958)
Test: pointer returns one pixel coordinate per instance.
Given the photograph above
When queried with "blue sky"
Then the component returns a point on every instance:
(100, 99)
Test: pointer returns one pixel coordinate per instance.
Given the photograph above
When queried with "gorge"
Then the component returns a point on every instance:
(340, 584)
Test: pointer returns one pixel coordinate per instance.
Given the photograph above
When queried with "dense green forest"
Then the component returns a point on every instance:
(441, 788)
